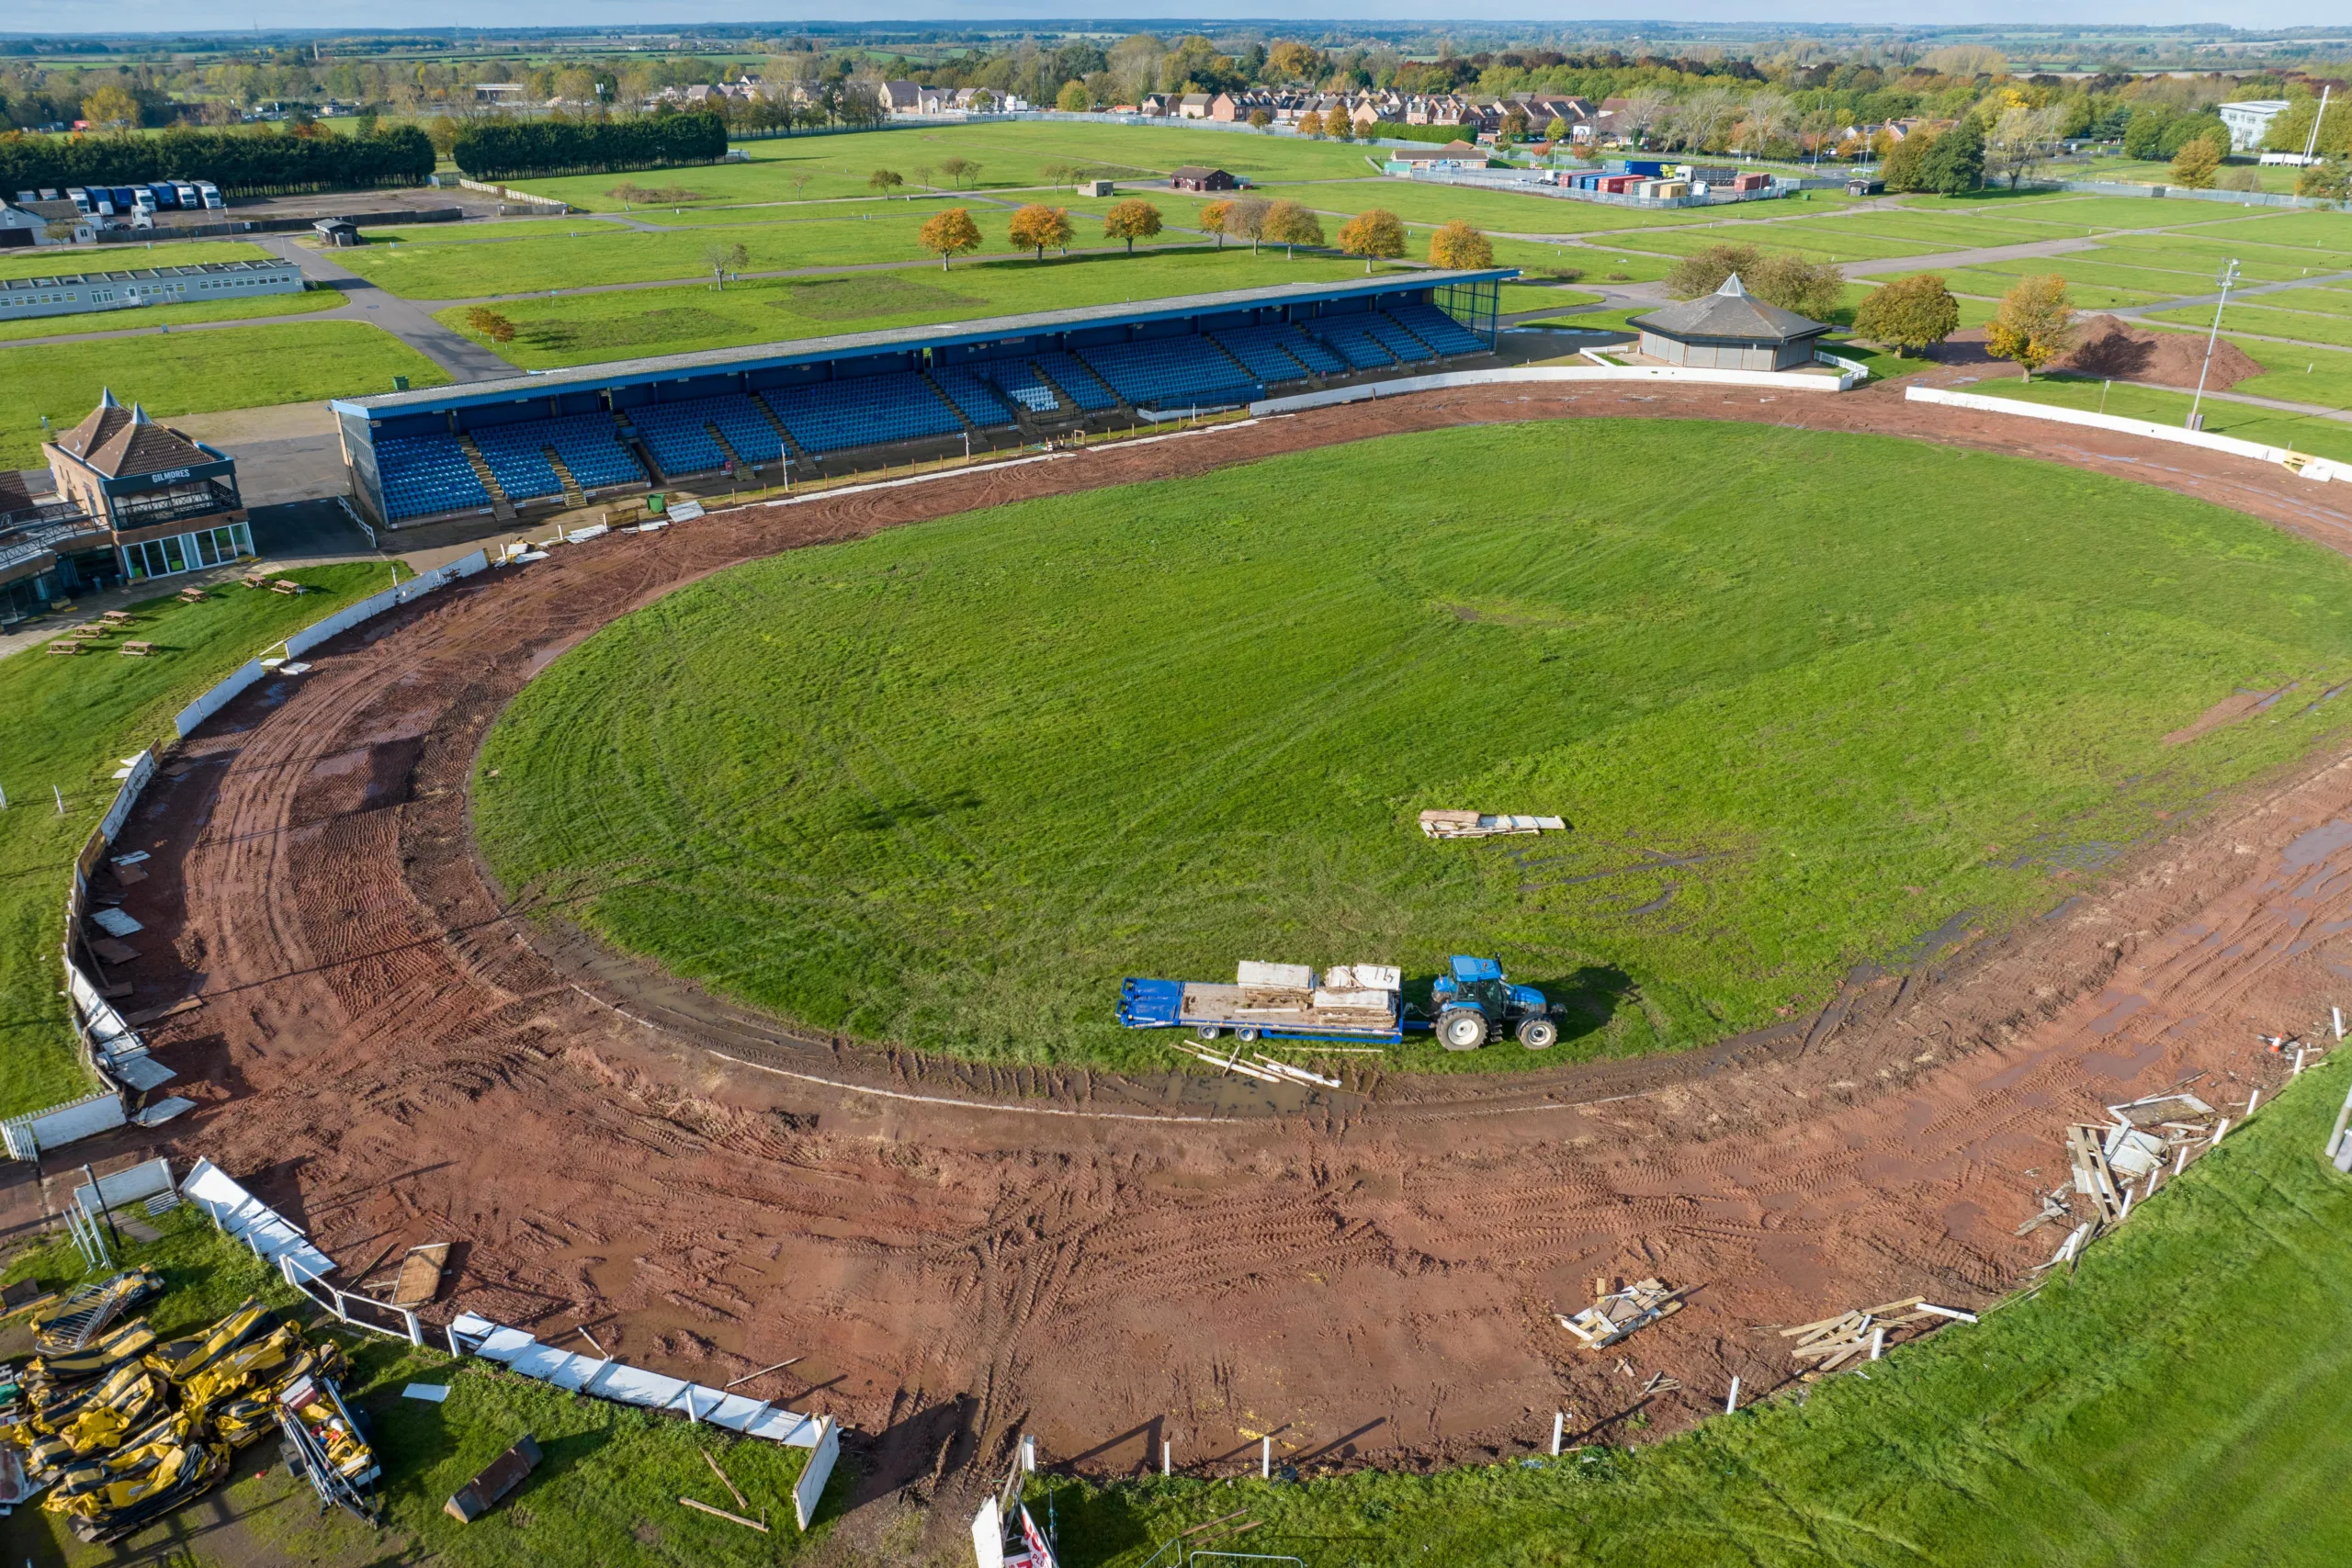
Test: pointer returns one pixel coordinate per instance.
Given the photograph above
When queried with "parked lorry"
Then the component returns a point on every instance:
(1361, 1003)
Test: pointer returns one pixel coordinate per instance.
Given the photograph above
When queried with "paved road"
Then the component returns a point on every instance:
(2247, 291)
(407, 320)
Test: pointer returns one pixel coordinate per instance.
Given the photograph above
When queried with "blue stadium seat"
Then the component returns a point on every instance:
(1265, 349)
(424, 474)
(1409, 349)
(1440, 330)
(1352, 342)
(865, 411)
(674, 433)
(968, 390)
(1072, 377)
(1312, 352)
(1170, 372)
(517, 458)
(591, 447)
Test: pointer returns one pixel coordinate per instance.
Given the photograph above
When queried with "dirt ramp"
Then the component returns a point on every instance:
(2111, 346)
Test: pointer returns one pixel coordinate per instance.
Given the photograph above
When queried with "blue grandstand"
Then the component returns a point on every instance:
(834, 405)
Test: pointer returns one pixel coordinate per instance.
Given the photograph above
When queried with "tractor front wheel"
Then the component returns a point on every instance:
(1462, 1030)
(1538, 1033)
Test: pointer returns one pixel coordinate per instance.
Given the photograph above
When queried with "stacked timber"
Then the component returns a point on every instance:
(1473, 825)
(1616, 1313)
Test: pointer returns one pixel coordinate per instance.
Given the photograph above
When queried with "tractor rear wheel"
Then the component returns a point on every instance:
(1246, 1035)
(1538, 1033)
(1464, 1029)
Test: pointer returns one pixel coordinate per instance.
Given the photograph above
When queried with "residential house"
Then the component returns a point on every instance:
(1192, 106)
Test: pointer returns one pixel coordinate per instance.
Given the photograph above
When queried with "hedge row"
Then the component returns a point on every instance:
(505, 149)
(241, 162)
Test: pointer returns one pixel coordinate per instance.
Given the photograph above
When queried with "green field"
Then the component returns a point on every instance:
(2178, 1402)
(1010, 156)
(948, 785)
(605, 1492)
(69, 721)
(227, 367)
(67, 261)
(584, 328)
(455, 264)
(2303, 326)
(2272, 427)
(149, 317)
(2298, 375)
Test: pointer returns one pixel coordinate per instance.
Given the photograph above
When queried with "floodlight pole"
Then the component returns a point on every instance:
(2311, 142)
(2228, 275)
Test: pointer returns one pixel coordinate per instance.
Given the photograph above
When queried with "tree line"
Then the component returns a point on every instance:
(241, 162)
(511, 149)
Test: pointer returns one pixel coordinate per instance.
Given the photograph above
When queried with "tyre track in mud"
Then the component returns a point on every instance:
(391, 1058)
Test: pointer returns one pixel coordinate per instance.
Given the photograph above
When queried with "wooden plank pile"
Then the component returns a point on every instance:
(1260, 1065)
(1615, 1315)
(1353, 996)
(2106, 1158)
(1834, 1343)
(1472, 825)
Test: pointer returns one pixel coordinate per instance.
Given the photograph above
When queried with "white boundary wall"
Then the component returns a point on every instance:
(2309, 467)
(1772, 380)
(27, 1136)
(310, 636)
(247, 1219)
(607, 1379)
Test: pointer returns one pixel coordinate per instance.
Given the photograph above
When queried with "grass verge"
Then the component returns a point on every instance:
(606, 1492)
(228, 368)
(948, 785)
(2272, 427)
(195, 310)
(2177, 1401)
(69, 720)
(585, 328)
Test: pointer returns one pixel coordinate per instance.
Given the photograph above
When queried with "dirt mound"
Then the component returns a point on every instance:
(2113, 346)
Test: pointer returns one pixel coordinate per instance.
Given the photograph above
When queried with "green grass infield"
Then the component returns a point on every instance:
(1804, 698)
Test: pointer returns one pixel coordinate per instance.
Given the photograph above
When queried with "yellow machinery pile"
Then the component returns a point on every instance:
(123, 1430)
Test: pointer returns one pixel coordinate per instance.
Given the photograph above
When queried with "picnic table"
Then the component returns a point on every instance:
(138, 650)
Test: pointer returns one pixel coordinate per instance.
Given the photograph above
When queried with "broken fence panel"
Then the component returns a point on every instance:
(471, 1334)
(247, 1219)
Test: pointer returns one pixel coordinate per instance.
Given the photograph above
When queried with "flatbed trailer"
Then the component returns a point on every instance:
(1211, 1010)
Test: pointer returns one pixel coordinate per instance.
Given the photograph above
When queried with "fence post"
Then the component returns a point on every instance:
(451, 1333)
(1559, 1429)
(415, 1335)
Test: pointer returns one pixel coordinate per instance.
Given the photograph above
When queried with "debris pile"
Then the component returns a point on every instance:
(2108, 1158)
(1615, 1315)
(1472, 825)
(1834, 1343)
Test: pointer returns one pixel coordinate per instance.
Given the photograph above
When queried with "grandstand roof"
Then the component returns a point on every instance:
(941, 334)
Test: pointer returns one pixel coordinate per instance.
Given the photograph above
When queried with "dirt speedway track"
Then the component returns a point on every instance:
(1367, 1273)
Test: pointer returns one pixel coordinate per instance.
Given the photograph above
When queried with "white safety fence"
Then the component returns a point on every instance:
(111, 1048)
(1770, 380)
(124, 1187)
(310, 636)
(29, 1135)
(350, 1307)
(246, 1218)
(2303, 463)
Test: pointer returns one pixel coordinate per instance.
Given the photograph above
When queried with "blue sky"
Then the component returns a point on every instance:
(176, 17)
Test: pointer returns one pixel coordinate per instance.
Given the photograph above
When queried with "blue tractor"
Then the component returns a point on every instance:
(1474, 1002)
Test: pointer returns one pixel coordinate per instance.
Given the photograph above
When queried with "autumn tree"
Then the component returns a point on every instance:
(491, 324)
(1311, 124)
(724, 259)
(1290, 225)
(2034, 325)
(111, 106)
(949, 234)
(1037, 226)
(885, 180)
(1810, 289)
(1260, 119)
(1293, 62)
(2194, 165)
(1131, 220)
(1341, 125)
(1375, 231)
(1910, 315)
(1212, 218)
(1556, 130)
(1074, 98)
(1458, 246)
(959, 170)
(1245, 219)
